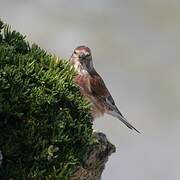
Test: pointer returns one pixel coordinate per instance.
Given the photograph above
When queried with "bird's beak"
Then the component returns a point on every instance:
(82, 56)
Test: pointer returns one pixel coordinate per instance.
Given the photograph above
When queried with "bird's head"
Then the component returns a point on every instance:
(82, 56)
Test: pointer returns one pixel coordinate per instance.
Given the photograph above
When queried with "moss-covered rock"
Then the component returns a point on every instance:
(45, 124)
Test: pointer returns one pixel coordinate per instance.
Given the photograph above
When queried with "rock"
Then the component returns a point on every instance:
(95, 163)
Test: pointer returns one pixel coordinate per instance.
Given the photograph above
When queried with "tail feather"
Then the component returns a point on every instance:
(127, 123)
(122, 119)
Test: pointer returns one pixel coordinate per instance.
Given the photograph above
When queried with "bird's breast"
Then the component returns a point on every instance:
(83, 82)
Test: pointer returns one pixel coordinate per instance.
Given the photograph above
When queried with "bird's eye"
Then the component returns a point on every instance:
(75, 52)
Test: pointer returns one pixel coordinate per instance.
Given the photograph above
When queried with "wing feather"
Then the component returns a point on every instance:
(99, 89)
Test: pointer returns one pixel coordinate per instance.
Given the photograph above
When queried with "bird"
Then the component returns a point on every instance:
(92, 86)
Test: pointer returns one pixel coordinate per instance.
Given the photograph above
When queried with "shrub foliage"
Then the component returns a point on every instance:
(45, 124)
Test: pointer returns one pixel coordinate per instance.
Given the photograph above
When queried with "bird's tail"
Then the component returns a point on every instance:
(117, 113)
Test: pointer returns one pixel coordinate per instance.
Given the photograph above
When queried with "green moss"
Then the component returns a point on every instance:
(45, 124)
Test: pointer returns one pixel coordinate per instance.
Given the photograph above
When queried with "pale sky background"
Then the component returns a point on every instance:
(136, 49)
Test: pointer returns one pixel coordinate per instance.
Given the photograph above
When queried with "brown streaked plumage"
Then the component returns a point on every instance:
(93, 87)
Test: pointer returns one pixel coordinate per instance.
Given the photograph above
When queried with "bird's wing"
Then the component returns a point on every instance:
(99, 90)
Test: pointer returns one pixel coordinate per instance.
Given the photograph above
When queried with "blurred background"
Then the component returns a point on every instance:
(136, 49)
